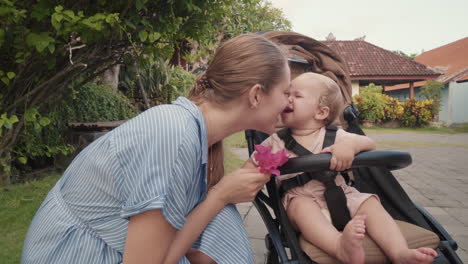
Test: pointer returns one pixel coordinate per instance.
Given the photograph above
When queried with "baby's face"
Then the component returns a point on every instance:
(303, 103)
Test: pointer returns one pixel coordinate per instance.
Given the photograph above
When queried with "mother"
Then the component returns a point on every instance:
(153, 190)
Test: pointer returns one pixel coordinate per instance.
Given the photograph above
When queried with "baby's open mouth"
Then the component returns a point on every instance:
(288, 109)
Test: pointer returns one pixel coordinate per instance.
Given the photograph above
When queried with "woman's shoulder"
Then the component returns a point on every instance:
(164, 126)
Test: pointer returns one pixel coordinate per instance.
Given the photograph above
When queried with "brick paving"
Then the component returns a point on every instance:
(437, 180)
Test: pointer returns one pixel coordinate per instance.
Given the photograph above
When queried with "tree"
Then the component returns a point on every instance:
(432, 90)
(47, 44)
(409, 56)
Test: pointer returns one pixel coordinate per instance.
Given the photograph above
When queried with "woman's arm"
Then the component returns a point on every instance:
(197, 220)
(239, 186)
(151, 239)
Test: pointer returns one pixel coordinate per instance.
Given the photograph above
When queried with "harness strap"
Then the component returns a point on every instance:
(334, 195)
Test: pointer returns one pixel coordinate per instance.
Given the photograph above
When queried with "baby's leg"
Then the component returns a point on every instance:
(385, 232)
(346, 247)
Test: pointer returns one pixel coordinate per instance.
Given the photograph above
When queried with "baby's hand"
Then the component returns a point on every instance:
(342, 155)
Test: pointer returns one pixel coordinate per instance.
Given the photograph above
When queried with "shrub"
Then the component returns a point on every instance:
(432, 90)
(44, 137)
(417, 113)
(162, 83)
(93, 103)
(393, 109)
(371, 103)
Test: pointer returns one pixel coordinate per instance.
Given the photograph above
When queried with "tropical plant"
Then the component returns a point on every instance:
(432, 90)
(370, 103)
(45, 44)
(417, 113)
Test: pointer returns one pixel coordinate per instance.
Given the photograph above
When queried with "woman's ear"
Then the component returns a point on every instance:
(322, 113)
(255, 96)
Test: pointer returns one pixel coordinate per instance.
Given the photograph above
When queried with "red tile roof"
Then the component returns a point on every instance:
(366, 60)
(450, 59)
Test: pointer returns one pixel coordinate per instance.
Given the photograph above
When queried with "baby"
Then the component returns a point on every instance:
(315, 101)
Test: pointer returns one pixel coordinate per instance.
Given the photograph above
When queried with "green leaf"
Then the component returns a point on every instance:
(58, 8)
(40, 41)
(6, 80)
(139, 4)
(51, 48)
(40, 11)
(44, 121)
(143, 35)
(13, 119)
(153, 36)
(130, 24)
(1, 73)
(23, 160)
(30, 115)
(58, 17)
(11, 75)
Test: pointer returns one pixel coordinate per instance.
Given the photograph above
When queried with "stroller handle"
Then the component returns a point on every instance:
(392, 159)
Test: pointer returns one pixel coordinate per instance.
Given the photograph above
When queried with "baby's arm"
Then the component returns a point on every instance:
(359, 143)
(346, 146)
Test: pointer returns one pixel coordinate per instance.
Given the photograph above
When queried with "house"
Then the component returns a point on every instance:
(452, 61)
(368, 63)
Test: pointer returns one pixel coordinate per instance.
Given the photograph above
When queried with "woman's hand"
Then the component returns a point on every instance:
(240, 186)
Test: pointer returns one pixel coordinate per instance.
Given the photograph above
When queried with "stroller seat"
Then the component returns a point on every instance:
(415, 236)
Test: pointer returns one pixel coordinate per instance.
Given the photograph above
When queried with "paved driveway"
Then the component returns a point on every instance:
(437, 179)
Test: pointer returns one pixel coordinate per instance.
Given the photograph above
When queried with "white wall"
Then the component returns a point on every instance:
(355, 88)
(459, 92)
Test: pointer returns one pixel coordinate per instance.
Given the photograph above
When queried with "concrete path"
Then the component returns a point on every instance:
(437, 180)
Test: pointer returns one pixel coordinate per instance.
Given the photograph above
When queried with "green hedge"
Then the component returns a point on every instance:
(44, 136)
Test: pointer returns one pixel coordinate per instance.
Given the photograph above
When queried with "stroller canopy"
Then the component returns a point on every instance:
(320, 58)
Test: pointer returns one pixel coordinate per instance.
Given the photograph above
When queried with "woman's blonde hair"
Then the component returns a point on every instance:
(239, 64)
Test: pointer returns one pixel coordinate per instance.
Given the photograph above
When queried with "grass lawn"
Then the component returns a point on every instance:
(231, 160)
(18, 204)
(236, 140)
(429, 130)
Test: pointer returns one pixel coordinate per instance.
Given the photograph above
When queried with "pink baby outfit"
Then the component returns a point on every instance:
(315, 189)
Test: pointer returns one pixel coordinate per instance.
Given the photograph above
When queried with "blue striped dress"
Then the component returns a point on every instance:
(156, 160)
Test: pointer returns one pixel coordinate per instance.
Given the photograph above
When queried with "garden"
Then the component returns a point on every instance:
(97, 61)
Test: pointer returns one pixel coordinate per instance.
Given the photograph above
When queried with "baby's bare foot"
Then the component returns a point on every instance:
(349, 245)
(417, 256)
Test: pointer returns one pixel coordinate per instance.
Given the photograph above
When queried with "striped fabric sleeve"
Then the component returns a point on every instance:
(159, 173)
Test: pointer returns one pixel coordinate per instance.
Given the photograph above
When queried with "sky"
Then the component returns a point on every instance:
(411, 26)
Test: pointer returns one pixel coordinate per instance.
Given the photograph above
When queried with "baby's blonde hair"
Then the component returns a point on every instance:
(331, 97)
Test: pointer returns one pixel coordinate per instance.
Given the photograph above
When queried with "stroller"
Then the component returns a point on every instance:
(371, 171)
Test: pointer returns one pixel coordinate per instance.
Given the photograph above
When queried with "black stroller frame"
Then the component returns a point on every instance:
(282, 237)
(371, 170)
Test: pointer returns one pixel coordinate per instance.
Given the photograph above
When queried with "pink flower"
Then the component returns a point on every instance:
(269, 162)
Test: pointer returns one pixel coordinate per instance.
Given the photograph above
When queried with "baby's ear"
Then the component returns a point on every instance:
(322, 113)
